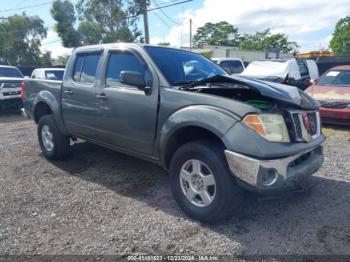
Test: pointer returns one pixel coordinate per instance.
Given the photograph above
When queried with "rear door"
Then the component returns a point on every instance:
(78, 95)
(127, 115)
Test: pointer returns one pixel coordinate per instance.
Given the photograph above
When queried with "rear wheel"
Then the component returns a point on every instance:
(202, 183)
(53, 143)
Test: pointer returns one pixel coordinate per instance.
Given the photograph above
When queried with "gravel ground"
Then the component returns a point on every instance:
(102, 202)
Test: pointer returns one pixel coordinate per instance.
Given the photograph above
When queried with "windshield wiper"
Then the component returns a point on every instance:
(184, 82)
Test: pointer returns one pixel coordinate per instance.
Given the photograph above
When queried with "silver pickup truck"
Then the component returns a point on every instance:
(217, 135)
(10, 87)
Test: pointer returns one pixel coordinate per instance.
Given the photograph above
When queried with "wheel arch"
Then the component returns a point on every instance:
(190, 124)
(46, 103)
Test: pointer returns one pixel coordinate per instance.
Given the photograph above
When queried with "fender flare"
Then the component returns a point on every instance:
(216, 120)
(50, 100)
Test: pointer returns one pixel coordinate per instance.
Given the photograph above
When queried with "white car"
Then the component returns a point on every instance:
(48, 73)
(230, 64)
(296, 72)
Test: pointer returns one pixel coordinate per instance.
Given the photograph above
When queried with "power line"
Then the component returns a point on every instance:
(52, 42)
(165, 14)
(24, 7)
(169, 5)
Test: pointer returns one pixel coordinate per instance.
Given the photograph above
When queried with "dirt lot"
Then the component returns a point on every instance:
(102, 202)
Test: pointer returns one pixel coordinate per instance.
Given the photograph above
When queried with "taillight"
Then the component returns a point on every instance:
(22, 90)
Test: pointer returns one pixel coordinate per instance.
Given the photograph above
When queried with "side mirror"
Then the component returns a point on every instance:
(133, 78)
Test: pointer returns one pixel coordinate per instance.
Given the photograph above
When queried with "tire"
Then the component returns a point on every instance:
(60, 143)
(224, 198)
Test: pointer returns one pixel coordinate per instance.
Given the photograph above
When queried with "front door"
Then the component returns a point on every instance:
(127, 114)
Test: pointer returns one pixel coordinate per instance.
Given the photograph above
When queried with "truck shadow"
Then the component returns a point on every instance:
(320, 215)
(11, 116)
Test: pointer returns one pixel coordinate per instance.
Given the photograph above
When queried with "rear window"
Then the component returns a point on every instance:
(335, 78)
(54, 74)
(10, 72)
(86, 67)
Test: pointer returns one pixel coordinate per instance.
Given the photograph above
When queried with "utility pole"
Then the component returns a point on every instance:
(190, 34)
(145, 20)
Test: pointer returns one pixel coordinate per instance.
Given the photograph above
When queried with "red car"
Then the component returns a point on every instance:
(332, 91)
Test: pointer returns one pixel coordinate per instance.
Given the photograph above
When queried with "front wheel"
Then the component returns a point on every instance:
(53, 143)
(202, 183)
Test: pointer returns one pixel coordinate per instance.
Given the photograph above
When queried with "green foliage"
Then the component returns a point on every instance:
(225, 34)
(98, 21)
(263, 40)
(64, 14)
(207, 54)
(164, 43)
(20, 41)
(61, 60)
(221, 33)
(340, 42)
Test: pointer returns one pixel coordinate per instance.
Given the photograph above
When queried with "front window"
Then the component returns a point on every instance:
(181, 67)
(335, 78)
(10, 72)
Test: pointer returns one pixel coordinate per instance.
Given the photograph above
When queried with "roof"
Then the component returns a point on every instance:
(51, 68)
(100, 46)
(7, 66)
(343, 67)
(226, 59)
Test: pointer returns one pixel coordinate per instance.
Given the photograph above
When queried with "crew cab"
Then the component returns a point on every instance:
(217, 135)
(295, 72)
(10, 87)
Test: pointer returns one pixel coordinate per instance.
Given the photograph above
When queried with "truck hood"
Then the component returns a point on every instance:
(280, 93)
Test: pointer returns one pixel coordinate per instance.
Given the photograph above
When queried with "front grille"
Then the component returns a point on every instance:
(11, 93)
(306, 125)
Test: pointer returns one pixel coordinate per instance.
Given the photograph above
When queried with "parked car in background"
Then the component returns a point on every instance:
(295, 72)
(48, 73)
(332, 91)
(10, 87)
(230, 65)
(215, 134)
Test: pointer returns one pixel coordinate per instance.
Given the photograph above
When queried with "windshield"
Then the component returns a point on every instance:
(181, 67)
(335, 78)
(54, 74)
(10, 72)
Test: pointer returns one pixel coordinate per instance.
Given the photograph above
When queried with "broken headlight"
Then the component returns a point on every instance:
(270, 126)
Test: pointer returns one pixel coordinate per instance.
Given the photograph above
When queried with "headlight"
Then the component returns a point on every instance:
(270, 126)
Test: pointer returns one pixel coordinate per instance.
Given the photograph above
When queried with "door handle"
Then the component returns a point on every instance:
(68, 92)
(102, 96)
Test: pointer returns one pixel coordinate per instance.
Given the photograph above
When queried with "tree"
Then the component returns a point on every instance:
(20, 41)
(164, 43)
(64, 14)
(96, 21)
(221, 33)
(264, 39)
(340, 42)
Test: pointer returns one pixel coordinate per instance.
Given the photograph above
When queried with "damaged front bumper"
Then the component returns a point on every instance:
(275, 174)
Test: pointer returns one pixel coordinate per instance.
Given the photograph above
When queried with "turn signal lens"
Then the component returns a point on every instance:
(270, 126)
(254, 122)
